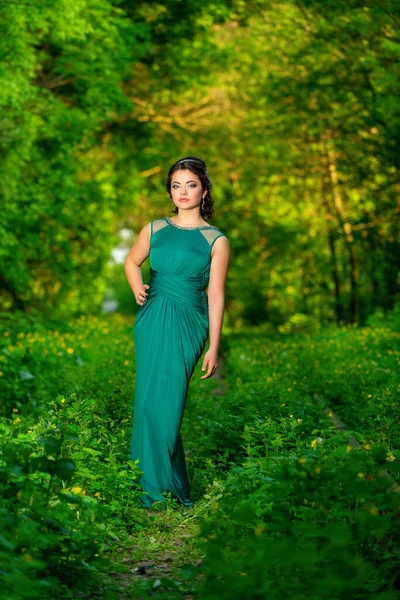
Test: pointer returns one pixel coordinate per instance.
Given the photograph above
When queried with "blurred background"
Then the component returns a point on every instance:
(292, 104)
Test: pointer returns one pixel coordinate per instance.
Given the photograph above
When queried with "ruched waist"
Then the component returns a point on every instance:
(183, 289)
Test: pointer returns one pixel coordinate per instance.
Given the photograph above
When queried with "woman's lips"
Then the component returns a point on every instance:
(183, 199)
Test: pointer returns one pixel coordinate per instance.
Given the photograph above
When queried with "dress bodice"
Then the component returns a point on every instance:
(178, 250)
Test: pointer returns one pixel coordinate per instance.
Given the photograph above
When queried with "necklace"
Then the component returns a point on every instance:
(190, 226)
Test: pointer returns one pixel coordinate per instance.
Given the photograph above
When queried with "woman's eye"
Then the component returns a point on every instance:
(191, 185)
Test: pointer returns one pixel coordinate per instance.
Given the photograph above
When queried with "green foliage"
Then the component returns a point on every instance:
(353, 369)
(307, 190)
(285, 505)
(66, 493)
(61, 79)
(381, 318)
(293, 105)
(319, 526)
(39, 360)
(300, 512)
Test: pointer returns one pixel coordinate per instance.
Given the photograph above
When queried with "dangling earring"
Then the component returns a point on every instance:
(202, 203)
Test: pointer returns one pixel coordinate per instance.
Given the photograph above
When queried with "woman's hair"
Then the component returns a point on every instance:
(199, 167)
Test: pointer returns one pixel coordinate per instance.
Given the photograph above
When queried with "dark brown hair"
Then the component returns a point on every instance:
(199, 168)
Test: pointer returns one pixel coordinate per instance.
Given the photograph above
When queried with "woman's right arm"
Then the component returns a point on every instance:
(136, 256)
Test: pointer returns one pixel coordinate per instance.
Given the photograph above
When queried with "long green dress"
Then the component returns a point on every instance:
(170, 332)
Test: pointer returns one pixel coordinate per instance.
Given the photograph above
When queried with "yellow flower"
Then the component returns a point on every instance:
(299, 420)
(302, 460)
(70, 351)
(348, 448)
(126, 362)
(390, 456)
(360, 475)
(283, 404)
(15, 409)
(330, 414)
(259, 529)
(289, 389)
(97, 494)
(29, 430)
(17, 420)
(76, 489)
(314, 444)
(369, 395)
(291, 416)
(62, 400)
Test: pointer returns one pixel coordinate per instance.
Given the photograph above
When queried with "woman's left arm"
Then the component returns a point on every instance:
(220, 257)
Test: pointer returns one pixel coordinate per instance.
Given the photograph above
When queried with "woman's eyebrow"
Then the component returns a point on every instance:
(191, 181)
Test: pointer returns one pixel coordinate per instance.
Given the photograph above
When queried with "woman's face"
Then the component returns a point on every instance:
(186, 189)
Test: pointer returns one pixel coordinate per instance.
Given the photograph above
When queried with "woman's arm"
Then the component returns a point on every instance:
(136, 256)
(216, 301)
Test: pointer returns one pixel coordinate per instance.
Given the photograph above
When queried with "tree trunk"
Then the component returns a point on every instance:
(345, 225)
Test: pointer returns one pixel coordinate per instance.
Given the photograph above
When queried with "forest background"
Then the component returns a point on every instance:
(293, 105)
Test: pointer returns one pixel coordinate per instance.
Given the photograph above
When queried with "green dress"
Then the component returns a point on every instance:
(170, 332)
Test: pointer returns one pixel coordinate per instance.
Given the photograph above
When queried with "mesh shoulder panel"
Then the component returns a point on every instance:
(212, 235)
(157, 225)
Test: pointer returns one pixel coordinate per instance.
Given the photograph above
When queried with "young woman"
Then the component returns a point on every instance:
(172, 324)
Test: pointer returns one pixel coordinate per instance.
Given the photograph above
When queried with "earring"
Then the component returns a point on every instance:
(202, 203)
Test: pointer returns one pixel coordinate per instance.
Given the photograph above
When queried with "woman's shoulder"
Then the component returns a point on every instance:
(158, 224)
(213, 233)
(217, 230)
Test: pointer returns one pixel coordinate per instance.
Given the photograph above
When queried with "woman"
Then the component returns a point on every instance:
(172, 324)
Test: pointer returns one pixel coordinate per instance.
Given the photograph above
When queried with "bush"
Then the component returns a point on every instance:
(65, 494)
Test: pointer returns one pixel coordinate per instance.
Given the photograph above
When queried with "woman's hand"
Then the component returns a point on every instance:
(211, 362)
(142, 295)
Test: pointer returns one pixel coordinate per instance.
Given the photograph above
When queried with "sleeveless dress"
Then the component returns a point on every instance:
(170, 332)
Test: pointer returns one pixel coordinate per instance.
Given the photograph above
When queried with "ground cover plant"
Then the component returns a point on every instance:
(282, 503)
(41, 359)
(305, 514)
